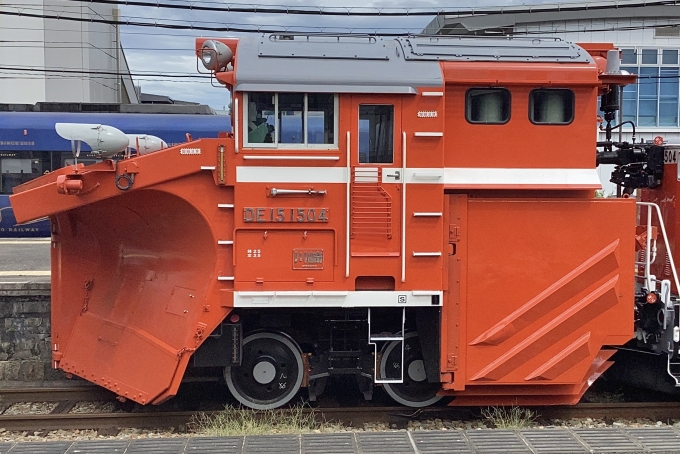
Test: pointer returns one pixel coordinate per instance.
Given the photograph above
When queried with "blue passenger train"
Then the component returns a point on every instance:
(30, 147)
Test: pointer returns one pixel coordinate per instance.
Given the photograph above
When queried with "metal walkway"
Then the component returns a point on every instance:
(657, 440)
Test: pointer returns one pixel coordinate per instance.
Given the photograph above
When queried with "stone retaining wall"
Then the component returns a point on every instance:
(25, 333)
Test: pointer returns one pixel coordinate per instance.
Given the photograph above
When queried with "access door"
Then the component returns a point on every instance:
(376, 177)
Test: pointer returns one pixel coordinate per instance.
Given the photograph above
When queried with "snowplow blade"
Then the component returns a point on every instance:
(134, 272)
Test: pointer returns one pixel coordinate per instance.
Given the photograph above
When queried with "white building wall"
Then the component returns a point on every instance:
(87, 49)
(22, 87)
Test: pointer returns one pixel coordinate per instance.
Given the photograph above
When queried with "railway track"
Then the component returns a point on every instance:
(355, 416)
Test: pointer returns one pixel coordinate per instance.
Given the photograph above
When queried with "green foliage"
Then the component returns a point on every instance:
(510, 417)
(242, 421)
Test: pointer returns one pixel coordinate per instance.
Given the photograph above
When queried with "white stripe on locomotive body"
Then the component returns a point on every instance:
(266, 174)
(311, 299)
(458, 177)
(489, 177)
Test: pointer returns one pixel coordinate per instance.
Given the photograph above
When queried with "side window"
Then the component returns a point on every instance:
(261, 114)
(320, 118)
(551, 106)
(291, 120)
(487, 105)
(376, 133)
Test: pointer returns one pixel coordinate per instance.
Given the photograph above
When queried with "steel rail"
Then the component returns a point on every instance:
(354, 416)
(54, 394)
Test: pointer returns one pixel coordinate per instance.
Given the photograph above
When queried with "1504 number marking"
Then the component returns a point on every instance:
(261, 214)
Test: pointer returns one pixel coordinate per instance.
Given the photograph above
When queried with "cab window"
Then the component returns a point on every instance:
(551, 106)
(292, 120)
(376, 133)
(487, 105)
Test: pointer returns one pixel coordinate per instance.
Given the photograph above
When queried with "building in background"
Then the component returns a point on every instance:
(648, 34)
(53, 60)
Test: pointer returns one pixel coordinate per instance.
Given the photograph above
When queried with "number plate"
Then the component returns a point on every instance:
(307, 259)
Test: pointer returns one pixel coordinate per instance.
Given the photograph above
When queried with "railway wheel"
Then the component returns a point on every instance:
(270, 373)
(415, 391)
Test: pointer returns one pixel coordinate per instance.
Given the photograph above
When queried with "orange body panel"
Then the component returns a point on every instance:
(534, 305)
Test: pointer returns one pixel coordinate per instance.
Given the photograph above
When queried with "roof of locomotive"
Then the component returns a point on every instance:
(341, 64)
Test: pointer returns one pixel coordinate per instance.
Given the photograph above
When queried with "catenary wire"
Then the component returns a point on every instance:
(247, 28)
(367, 11)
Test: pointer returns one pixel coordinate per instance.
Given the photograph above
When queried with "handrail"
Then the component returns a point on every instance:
(403, 207)
(349, 178)
(648, 279)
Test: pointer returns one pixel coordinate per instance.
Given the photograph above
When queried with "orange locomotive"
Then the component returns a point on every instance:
(417, 213)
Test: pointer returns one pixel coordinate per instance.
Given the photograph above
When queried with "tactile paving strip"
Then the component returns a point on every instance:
(99, 447)
(214, 445)
(495, 440)
(278, 444)
(340, 443)
(608, 440)
(656, 439)
(382, 442)
(39, 447)
(157, 446)
(440, 442)
(557, 441)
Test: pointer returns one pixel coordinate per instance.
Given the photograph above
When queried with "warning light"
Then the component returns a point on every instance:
(658, 140)
(234, 318)
(651, 298)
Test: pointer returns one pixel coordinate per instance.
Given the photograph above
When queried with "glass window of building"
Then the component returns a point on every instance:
(551, 106)
(628, 57)
(653, 101)
(648, 95)
(668, 96)
(290, 120)
(649, 56)
(669, 57)
(630, 93)
(487, 105)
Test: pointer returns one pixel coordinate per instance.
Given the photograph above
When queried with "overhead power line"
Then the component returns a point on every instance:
(99, 72)
(373, 31)
(365, 11)
(200, 25)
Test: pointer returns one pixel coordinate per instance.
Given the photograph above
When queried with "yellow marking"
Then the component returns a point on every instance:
(25, 273)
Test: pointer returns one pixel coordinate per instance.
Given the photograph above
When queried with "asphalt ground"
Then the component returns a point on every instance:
(25, 260)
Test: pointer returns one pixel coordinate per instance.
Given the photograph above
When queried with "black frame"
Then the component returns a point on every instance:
(573, 106)
(467, 105)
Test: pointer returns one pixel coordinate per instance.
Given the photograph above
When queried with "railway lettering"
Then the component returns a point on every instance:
(307, 259)
(670, 156)
(285, 214)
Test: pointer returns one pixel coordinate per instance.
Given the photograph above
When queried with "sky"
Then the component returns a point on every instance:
(172, 51)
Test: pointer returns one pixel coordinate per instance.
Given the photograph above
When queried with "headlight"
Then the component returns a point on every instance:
(215, 55)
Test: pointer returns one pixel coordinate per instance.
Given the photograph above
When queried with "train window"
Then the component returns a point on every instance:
(14, 172)
(551, 106)
(290, 120)
(376, 133)
(487, 105)
(320, 118)
(261, 115)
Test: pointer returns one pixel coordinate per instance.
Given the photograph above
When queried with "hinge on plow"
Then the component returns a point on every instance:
(452, 363)
(200, 331)
(184, 350)
(88, 289)
(454, 233)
